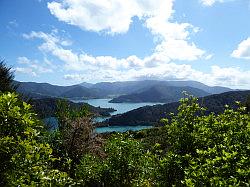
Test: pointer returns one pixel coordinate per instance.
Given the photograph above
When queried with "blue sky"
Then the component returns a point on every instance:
(66, 42)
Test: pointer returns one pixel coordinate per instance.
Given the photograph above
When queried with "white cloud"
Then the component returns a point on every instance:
(179, 50)
(13, 23)
(32, 67)
(75, 77)
(112, 16)
(212, 2)
(159, 65)
(230, 76)
(115, 16)
(243, 50)
(173, 43)
(28, 71)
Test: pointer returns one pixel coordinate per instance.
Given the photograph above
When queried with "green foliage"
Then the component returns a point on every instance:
(65, 112)
(192, 149)
(207, 150)
(6, 78)
(25, 158)
(75, 136)
(248, 103)
(223, 153)
(126, 164)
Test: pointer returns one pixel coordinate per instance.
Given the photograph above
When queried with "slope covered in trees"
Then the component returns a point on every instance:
(159, 93)
(151, 115)
(46, 107)
(106, 89)
(191, 149)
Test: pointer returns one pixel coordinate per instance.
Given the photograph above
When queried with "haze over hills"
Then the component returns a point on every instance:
(109, 89)
(160, 93)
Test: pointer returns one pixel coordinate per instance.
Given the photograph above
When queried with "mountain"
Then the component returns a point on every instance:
(44, 90)
(86, 84)
(159, 93)
(128, 87)
(150, 115)
(199, 85)
(105, 89)
(121, 88)
(82, 92)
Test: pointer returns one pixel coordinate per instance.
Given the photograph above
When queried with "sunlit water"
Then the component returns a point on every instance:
(120, 107)
(104, 103)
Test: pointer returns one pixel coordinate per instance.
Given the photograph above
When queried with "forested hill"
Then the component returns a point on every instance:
(106, 89)
(150, 115)
(46, 107)
(159, 93)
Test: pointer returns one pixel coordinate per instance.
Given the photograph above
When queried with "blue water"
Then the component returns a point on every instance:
(120, 128)
(120, 107)
(104, 103)
(53, 124)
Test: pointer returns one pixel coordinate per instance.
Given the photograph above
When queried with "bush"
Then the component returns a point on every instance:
(25, 158)
(208, 150)
(126, 164)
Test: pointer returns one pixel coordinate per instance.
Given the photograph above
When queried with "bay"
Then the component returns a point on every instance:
(104, 103)
(119, 107)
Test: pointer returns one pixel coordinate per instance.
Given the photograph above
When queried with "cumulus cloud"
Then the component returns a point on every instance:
(32, 67)
(53, 45)
(115, 17)
(26, 70)
(159, 65)
(173, 43)
(175, 47)
(112, 16)
(212, 2)
(230, 76)
(243, 50)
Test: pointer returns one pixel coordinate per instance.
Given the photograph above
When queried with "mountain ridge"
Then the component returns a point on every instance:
(159, 93)
(105, 89)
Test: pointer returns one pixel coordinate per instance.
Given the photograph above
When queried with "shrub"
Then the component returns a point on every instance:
(126, 164)
(208, 150)
(25, 158)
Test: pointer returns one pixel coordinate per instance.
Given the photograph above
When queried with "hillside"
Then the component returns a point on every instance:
(82, 92)
(159, 93)
(105, 89)
(128, 87)
(44, 90)
(47, 107)
(150, 115)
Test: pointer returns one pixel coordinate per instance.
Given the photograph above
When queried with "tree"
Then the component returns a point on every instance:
(75, 134)
(248, 103)
(6, 78)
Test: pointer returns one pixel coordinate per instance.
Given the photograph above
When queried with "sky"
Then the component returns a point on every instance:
(67, 42)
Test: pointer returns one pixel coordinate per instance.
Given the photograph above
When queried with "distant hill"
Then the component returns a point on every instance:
(82, 92)
(159, 93)
(46, 107)
(45, 90)
(128, 87)
(150, 115)
(105, 89)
